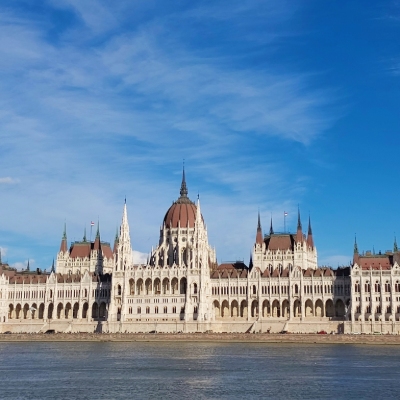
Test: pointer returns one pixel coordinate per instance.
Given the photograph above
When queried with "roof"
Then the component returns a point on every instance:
(183, 214)
(230, 270)
(83, 249)
(376, 261)
(281, 241)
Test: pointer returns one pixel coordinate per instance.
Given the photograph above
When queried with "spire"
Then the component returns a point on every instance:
(271, 229)
(27, 267)
(52, 267)
(115, 249)
(97, 244)
(310, 241)
(63, 246)
(355, 245)
(395, 248)
(198, 211)
(259, 238)
(299, 227)
(299, 235)
(123, 241)
(84, 235)
(183, 192)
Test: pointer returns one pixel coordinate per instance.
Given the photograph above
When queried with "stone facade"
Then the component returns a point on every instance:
(94, 287)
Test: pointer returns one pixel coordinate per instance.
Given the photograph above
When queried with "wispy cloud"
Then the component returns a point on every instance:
(8, 181)
(104, 109)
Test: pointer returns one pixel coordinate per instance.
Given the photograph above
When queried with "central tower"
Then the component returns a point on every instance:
(183, 245)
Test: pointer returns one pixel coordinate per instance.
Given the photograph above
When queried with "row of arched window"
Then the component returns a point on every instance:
(377, 287)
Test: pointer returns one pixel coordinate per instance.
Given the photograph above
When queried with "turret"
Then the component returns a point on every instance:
(356, 254)
(299, 235)
(310, 241)
(64, 246)
(97, 243)
(259, 238)
(115, 248)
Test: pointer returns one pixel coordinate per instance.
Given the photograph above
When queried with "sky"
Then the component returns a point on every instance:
(273, 105)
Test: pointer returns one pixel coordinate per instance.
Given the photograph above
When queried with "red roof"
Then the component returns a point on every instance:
(279, 242)
(182, 214)
(375, 262)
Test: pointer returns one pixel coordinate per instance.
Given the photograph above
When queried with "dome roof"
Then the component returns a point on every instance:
(183, 211)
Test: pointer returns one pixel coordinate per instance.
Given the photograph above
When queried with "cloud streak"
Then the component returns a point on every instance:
(101, 110)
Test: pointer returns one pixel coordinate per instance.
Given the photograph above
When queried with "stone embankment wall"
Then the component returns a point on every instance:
(263, 326)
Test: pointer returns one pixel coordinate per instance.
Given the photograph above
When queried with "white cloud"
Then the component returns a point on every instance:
(8, 180)
(139, 258)
(22, 265)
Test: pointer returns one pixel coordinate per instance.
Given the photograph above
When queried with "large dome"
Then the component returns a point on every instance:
(183, 211)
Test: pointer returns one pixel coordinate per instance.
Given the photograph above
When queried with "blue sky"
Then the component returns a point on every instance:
(272, 104)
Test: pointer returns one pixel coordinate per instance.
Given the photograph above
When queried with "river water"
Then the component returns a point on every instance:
(112, 370)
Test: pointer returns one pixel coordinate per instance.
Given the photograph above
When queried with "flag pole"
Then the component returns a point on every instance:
(284, 222)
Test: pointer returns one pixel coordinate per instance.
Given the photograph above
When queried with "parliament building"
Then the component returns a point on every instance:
(96, 287)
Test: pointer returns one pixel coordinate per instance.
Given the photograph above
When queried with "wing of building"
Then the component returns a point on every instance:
(95, 287)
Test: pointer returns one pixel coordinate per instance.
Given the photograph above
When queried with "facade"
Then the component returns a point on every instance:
(96, 288)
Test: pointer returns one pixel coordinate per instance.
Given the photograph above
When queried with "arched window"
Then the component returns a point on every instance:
(195, 288)
(139, 310)
(254, 289)
(119, 290)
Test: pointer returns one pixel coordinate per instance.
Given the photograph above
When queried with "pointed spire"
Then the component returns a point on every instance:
(63, 246)
(52, 267)
(310, 241)
(299, 235)
(355, 245)
(198, 211)
(183, 192)
(395, 248)
(97, 244)
(115, 248)
(299, 227)
(27, 267)
(84, 235)
(259, 238)
(271, 229)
